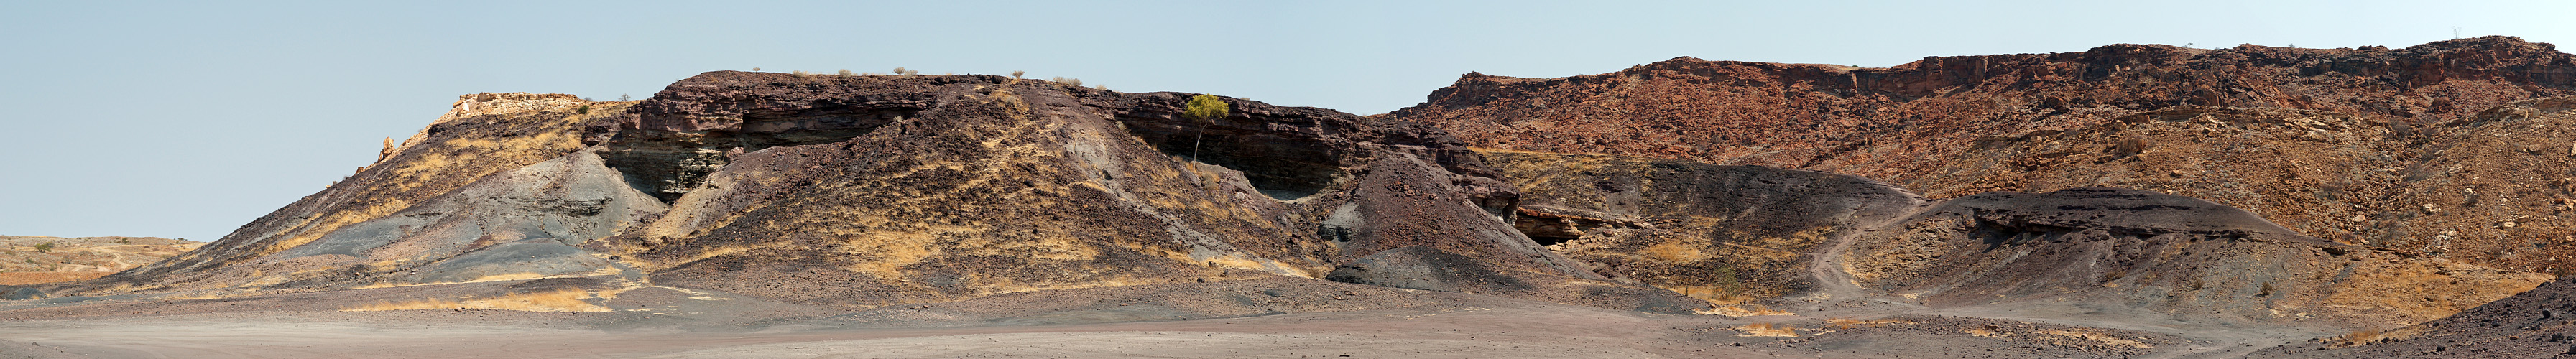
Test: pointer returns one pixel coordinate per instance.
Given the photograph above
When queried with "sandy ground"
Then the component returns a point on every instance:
(1501, 327)
(1565, 332)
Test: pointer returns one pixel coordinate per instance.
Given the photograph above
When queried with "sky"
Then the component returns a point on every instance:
(188, 120)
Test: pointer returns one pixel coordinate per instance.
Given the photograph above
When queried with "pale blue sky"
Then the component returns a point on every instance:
(188, 120)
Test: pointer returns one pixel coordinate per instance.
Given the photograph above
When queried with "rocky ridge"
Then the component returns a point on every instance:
(1761, 240)
(866, 191)
(2374, 146)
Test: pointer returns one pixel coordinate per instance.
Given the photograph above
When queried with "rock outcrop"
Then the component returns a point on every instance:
(2376, 146)
(498, 187)
(2123, 248)
(1728, 234)
(1756, 237)
(864, 191)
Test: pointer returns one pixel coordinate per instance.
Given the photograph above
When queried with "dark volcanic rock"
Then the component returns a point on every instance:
(1856, 120)
(1754, 235)
(861, 191)
(2346, 144)
(1721, 233)
(2122, 248)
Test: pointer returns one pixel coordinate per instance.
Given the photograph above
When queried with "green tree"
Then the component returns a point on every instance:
(1204, 109)
(47, 247)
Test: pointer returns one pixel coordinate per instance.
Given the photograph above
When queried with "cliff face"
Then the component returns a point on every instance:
(1859, 120)
(2320, 140)
(1754, 236)
(862, 191)
(878, 190)
(2124, 248)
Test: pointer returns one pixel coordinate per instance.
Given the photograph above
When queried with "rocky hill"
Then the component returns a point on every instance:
(2436, 149)
(2135, 200)
(865, 191)
(28, 260)
(1759, 240)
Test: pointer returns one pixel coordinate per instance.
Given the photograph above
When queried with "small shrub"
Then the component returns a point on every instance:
(624, 97)
(755, 69)
(800, 72)
(1068, 80)
(43, 248)
(847, 73)
(585, 109)
(911, 72)
(1016, 74)
(898, 70)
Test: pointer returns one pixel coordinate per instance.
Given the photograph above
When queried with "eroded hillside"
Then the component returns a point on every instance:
(1763, 239)
(867, 191)
(2435, 149)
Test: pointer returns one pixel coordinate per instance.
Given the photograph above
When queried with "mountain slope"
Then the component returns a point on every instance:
(2348, 144)
(866, 191)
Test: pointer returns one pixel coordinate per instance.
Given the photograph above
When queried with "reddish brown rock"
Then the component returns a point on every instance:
(1893, 122)
(2347, 144)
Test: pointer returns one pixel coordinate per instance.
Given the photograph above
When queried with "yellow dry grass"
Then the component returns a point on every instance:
(568, 300)
(211, 294)
(2098, 337)
(1983, 332)
(1767, 330)
(26, 278)
(1740, 310)
(1674, 252)
(2422, 290)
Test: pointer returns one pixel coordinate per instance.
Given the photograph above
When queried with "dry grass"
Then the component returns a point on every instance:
(26, 278)
(210, 294)
(1767, 330)
(1675, 252)
(2098, 337)
(1848, 323)
(1740, 310)
(1985, 331)
(568, 300)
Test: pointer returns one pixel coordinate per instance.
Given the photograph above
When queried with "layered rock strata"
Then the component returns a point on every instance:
(2441, 149)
